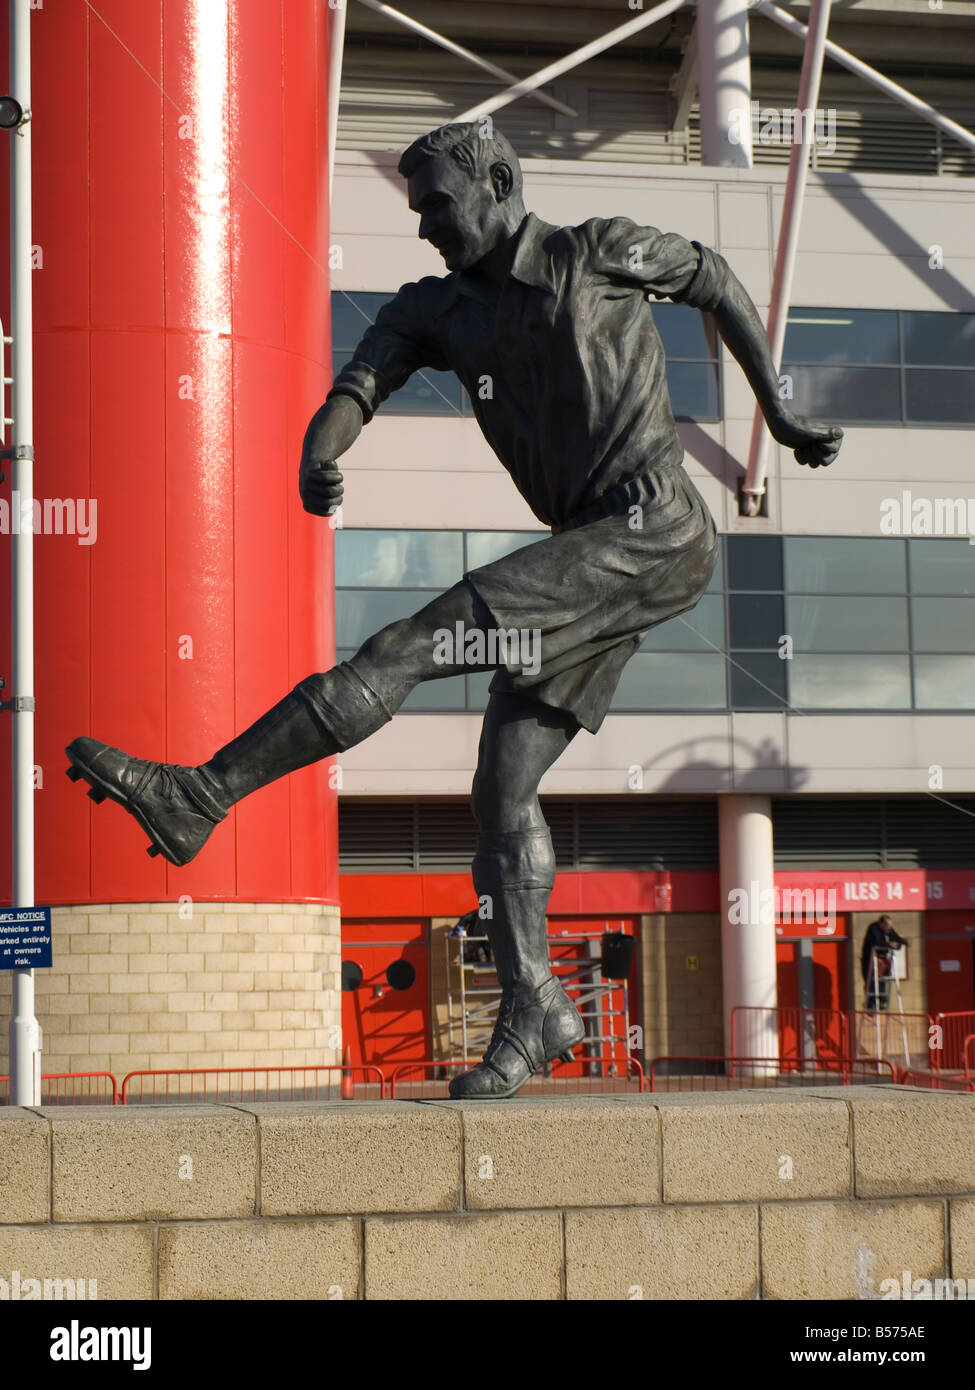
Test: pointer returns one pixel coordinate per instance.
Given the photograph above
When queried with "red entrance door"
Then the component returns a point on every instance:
(811, 983)
(385, 991)
(949, 954)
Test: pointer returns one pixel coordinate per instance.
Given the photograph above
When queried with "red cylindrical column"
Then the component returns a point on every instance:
(181, 321)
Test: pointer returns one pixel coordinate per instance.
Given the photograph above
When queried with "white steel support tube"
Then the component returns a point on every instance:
(460, 52)
(572, 60)
(25, 1033)
(748, 921)
(788, 245)
(724, 83)
(871, 75)
(336, 50)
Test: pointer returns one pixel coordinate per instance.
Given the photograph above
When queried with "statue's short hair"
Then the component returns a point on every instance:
(475, 145)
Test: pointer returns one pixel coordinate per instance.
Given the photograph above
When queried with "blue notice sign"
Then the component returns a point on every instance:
(25, 938)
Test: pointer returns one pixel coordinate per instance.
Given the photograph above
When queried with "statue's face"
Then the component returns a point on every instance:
(459, 216)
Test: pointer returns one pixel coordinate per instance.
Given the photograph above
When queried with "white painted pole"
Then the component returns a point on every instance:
(748, 941)
(336, 51)
(572, 60)
(460, 52)
(788, 245)
(25, 1033)
(871, 75)
(724, 83)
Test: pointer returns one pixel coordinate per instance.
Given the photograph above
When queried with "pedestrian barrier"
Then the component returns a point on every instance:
(955, 1028)
(969, 1055)
(802, 1034)
(430, 1078)
(937, 1081)
(905, 1039)
(71, 1088)
(207, 1085)
(736, 1073)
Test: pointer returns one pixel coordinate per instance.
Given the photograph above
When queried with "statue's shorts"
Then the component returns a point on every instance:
(589, 594)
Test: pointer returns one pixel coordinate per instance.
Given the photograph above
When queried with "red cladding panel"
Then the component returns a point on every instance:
(181, 320)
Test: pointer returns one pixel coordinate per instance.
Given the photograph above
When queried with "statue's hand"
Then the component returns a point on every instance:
(815, 445)
(320, 486)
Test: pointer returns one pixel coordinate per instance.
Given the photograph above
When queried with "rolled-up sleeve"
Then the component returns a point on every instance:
(666, 265)
(390, 351)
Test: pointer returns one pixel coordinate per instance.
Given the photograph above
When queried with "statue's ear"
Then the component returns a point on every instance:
(502, 181)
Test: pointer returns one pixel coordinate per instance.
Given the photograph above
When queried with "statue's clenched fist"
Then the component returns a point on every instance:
(320, 485)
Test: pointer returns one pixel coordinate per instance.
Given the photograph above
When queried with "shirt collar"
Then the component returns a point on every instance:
(530, 265)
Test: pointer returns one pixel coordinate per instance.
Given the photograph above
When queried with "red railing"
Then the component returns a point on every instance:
(969, 1055)
(737, 1073)
(802, 1034)
(419, 1080)
(937, 1081)
(904, 1039)
(71, 1088)
(203, 1085)
(955, 1027)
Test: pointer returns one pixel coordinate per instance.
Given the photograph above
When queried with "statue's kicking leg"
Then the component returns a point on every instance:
(514, 870)
(327, 713)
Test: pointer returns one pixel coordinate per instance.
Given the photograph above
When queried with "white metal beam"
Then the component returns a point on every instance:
(460, 52)
(725, 83)
(572, 60)
(336, 49)
(871, 75)
(788, 245)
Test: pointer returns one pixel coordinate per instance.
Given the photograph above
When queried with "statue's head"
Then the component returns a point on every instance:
(465, 183)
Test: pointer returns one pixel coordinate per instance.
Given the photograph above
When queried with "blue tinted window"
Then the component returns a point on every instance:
(398, 559)
(842, 336)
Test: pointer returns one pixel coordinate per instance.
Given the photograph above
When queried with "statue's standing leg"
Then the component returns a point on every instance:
(514, 870)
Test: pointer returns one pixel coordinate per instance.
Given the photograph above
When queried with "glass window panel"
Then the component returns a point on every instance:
(848, 394)
(359, 613)
(841, 565)
(682, 330)
(850, 682)
(754, 562)
(946, 398)
(936, 340)
(352, 313)
(944, 624)
(478, 686)
(426, 392)
(944, 682)
(671, 680)
(842, 335)
(693, 390)
(716, 582)
(484, 547)
(436, 695)
(756, 620)
(942, 567)
(700, 630)
(395, 559)
(848, 624)
(757, 681)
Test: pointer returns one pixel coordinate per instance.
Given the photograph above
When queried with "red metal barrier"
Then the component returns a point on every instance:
(936, 1081)
(903, 1039)
(803, 1034)
(65, 1088)
(968, 1055)
(210, 1085)
(420, 1080)
(955, 1028)
(738, 1073)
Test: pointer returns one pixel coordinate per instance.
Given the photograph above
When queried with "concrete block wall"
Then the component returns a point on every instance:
(139, 986)
(682, 1007)
(737, 1196)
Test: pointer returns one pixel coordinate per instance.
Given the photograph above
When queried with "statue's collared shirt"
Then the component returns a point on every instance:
(562, 361)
